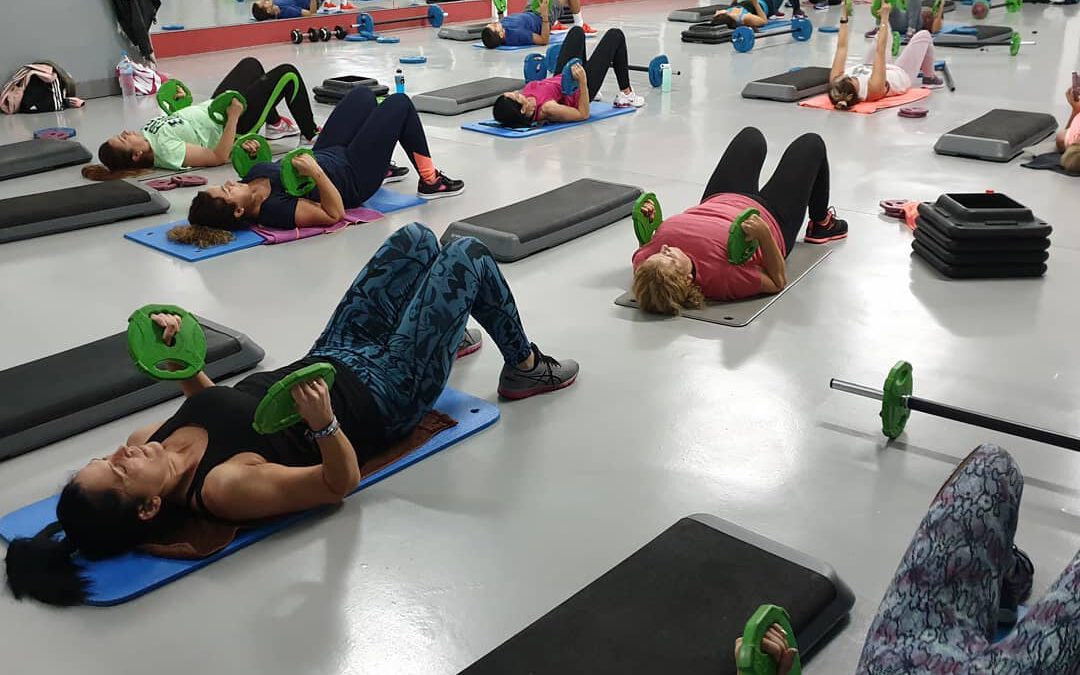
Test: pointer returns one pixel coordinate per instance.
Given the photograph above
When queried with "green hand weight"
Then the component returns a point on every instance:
(645, 228)
(739, 248)
(149, 351)
(750, 659)
(242, 161)
(168, 99)
(896, 43)
(295, 184)
(875, 7)
(219, 107)
(277, 410)
(894, 410)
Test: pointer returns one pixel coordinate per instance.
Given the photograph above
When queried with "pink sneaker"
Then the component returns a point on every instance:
(283, 129)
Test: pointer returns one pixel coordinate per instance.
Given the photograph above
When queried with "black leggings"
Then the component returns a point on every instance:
(801, 179)
(610, 53)
(257, 85)
(369, 130)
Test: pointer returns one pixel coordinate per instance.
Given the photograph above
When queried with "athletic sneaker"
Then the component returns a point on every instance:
(470, 342)
(283, 129)
(347, 6)
(328, 7)
(1015, 586)
(558, 27)
(589, 30)
(832, 229)
(821, 6)
(932, 82)
(547, 374)
(872, 33)
(631, 100)
(444, 186)
(395, 173)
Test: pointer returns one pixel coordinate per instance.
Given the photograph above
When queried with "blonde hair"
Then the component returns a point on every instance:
(1070, 159)
(663, 290)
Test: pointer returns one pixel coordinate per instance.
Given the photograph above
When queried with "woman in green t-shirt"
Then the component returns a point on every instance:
(189, 138)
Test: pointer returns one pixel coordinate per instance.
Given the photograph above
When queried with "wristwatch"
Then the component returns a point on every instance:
(329, 431)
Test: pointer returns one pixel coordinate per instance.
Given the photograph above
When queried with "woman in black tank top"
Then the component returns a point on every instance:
(392, 340)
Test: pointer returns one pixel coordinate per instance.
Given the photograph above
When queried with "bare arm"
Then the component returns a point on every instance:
(557, 112)
(774, 273)
(313, 8)
(198, 156)
(840, 58)
(330, 208)
(170, 326)
(939, 21)
(758, 19)
(545, 25)
(876, 88)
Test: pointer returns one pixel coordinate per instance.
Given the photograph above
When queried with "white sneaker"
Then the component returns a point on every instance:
(631, 100)
(283, 129)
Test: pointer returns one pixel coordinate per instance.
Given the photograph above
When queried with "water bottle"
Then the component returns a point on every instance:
(399, 81)
(665, 77)
(127, 76)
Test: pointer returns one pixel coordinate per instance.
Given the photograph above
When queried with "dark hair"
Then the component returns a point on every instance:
(259, 13)
(507, 112)
(490, 38)
(724, 19)
(117, 164)
(214, 212)
(96, 525)
(843, 93)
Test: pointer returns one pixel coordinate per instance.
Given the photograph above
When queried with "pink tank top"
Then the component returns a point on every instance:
(550, 89)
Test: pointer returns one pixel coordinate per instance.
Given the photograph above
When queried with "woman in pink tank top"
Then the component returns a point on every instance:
(544, 101)
(1068, 139)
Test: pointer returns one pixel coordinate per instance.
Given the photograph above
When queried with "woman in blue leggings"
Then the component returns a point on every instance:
(961, 576)
(392, 339)
(351, 157)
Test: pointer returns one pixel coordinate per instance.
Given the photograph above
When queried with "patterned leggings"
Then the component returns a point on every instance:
(399, 325)
(940, 612)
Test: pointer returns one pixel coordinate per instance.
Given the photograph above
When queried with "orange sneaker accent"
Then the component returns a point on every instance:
(558, 26)
(589, 30)
(347, 6)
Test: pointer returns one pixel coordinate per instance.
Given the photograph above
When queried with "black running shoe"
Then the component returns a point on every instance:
(395, 173)
(444, 186)
(1015, 587)
(832, 229)
(546, 375)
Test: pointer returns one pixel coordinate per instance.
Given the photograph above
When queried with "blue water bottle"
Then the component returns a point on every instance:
(399, 81)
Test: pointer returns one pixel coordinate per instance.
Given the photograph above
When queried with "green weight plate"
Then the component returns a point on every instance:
(643, 227)
(219, 107)
(894, 410)
(739, 248)
(294, 183)
(897, 43)
(751, 659)
(167, 97)
(242, 161)
(277, 410)
(1014, 44)
(149, 351)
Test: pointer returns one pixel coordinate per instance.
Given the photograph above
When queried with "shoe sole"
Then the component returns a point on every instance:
(518, 395)
(825, 240)
(439, 195)
(278, 138)
(471, 349)
(395, 179)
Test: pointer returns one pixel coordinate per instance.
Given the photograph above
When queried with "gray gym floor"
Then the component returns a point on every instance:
(432, 568)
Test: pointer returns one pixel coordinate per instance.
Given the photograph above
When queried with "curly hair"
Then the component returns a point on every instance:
(199, 236)
(1070, 159)
(661, 290)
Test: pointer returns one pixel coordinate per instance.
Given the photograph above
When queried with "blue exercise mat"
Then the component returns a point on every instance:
(597, 112)
(388, 201)
(117, 580)
(958, 29)
(553, 39)
(155, 237)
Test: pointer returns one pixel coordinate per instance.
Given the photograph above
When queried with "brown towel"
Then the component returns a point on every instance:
(200, 537)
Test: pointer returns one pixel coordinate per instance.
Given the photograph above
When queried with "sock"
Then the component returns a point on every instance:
(425, 167)
(578, 21)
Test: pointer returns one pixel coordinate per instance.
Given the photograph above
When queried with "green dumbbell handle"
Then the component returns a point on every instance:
(279, 88)
(740, 249)
(896, 43)
(645, 228)
(875, 7)
(295, 184)
(277, 409)
(750, 659)
(242, 161)
(148, 350)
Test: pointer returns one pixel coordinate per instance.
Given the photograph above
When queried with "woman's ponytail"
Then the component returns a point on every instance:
(116, 164)
(43, 568)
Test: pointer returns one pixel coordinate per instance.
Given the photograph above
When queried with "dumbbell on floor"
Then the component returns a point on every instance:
(655, 69)
(319, 34)
(744, 37)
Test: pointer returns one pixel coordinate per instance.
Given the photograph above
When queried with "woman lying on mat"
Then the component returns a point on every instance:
(531, 27)
(744, 13)
(544, 100)
(1068, 139)
(393, 339)
(264, 10)
(349, 165)
(189, 138)
(876, 78)
(686, 260)
(961, 578)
